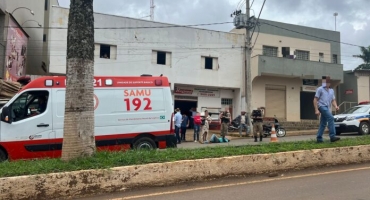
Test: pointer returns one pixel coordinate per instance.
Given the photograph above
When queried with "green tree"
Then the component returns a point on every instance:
(78, 136)
(365, 56)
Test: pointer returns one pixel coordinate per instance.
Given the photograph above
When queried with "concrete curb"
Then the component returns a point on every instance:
(88, 182)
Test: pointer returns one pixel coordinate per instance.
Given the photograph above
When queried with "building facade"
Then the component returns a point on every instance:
(355, 88)
(287, 66)
(13, 46)
(31, 16)
(203, 66)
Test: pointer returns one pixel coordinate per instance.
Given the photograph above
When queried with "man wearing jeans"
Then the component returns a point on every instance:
(178, 120)
(322, 102)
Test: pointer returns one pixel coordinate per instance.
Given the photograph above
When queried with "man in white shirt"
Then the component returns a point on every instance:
(242, 121)
(178, 120)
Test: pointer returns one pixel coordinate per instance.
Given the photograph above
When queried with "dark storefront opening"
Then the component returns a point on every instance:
(307, 109)
(185, 106)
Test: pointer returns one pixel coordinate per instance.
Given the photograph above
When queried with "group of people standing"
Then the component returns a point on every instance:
(199, 121)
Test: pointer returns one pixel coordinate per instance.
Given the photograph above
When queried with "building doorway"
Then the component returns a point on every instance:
(307, 109)
(185, 104)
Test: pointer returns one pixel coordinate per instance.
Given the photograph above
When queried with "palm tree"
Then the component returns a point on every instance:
(78, 136)
(365, 56)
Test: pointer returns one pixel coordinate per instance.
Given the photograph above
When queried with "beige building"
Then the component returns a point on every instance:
(287, 66)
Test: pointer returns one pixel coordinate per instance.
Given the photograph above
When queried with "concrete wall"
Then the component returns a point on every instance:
(297, 68)
(284, 29)
(275, 34)
(185, 47)
(293, 88)
(135, 46)
(349, 83)
(314, 47)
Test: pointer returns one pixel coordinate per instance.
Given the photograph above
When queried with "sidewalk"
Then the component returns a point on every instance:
(190, 134)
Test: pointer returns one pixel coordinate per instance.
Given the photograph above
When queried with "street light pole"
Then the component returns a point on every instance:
(335, 18)
(31, 11)
(33, 21)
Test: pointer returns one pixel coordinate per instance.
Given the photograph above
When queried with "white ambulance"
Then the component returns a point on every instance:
(130, 112)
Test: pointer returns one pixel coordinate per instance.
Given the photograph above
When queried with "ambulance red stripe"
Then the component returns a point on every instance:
(30, 149)
(100, 81)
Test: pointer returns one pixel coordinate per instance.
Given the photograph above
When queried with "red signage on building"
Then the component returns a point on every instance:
(349, 91)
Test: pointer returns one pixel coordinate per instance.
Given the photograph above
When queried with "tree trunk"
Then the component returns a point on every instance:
(78, 136)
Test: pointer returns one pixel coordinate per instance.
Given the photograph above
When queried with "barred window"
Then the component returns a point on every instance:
(335, 59)
(270, 51)
(226, 101)
(303, 55)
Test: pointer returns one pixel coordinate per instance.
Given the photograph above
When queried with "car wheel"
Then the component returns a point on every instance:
(280, 132)
(364, 128)
(144, 143)
(3, 156)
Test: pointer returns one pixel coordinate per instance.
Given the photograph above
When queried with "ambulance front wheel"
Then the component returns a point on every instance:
(144, 143)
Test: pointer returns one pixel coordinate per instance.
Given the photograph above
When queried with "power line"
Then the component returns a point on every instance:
(251, 4)
(258, 18)
(137, 27)
(239, 4)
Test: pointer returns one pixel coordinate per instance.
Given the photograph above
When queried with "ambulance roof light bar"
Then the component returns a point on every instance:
(108, 82)
(48, 83)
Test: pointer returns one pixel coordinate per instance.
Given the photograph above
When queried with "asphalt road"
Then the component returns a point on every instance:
(236, 141)
(349, 182)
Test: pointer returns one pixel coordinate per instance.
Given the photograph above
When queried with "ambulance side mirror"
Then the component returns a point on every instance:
(6, 115)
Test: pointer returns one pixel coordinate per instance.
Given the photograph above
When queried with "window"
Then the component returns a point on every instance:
(302, 55)
(321, 57)
(226, 101)
(335, 59)
(44, 38)
(29, 104)
(161, 58)
(210, 63)
(105, 51)
(286, 52)
(270, 51)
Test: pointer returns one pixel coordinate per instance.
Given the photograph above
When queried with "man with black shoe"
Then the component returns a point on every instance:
(257, 124)
(322, 102)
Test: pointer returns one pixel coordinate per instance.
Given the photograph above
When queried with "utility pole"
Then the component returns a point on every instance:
(248, 81)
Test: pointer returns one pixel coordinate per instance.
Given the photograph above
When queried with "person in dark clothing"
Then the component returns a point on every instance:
(42, 104)
(257, 124)
(184, 125)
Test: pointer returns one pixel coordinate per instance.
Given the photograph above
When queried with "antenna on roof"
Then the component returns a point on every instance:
(152, 6)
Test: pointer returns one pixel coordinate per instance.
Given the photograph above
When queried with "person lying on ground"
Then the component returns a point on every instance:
(215, 139)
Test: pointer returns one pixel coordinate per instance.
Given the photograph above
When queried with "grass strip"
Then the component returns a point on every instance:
(104, 160)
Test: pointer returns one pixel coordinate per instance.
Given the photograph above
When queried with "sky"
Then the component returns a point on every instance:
(352, 21)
